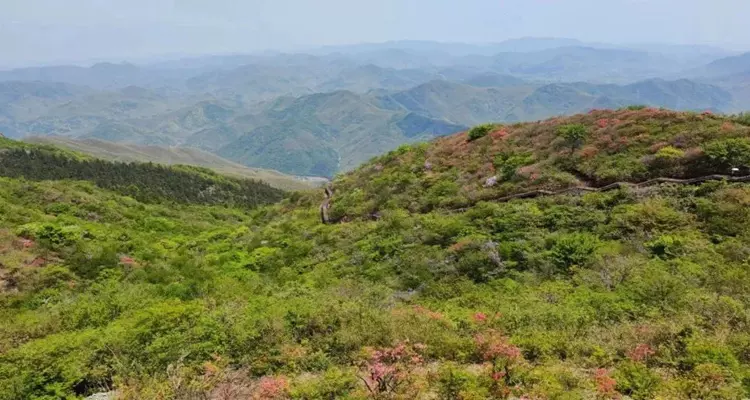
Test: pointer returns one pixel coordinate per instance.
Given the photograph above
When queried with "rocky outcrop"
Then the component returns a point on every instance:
(102, 396)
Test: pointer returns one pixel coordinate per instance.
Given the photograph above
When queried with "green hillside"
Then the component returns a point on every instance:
(423, 288)
(631, 144)
(126, 152)
(146, 182)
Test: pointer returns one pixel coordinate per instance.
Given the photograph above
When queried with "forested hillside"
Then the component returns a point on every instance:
(425, 287)
(146, 182)
(129, 152)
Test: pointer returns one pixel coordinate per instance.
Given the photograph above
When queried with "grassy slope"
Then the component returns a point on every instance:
(639, 293)
(125, 152)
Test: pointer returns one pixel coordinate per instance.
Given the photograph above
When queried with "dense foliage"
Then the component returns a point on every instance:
(144, 181)
(633, 292)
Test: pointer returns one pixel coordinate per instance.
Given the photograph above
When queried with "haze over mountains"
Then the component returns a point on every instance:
(333, 108)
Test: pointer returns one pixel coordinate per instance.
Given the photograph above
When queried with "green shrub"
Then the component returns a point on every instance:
(455, 383)
(89, 261)
(335, 383)
(636, 380)
(57, 208)
(742, 118)
(480, 131)
(52, 236)
(713, 382)
(669, 153)
(666, 246)
(573, 134)
(576, 249)
(507, 163)
(729, 153)
(636, 107)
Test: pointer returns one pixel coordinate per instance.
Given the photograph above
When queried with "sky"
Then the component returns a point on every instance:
(80, 31)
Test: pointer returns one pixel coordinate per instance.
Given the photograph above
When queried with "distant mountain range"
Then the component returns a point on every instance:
(329, 110)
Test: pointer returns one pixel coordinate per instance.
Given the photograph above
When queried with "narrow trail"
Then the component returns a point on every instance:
(617, 185)
(325, 206)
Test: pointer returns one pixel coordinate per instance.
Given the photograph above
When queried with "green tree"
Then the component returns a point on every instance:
(480, 131)
(574, 134)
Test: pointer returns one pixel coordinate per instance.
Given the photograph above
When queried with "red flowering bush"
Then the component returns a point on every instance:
(641, 353)
(589, 151)
(428, 313)
(126, 260)
(496, 348)
(480, 317)
(605, 384)
(500, 356)
(499, 134)
(271, 388)
(389, 370)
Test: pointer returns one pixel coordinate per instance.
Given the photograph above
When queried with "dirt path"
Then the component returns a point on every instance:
(326, 205)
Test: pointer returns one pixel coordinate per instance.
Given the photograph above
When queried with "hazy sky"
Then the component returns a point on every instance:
(46, 31)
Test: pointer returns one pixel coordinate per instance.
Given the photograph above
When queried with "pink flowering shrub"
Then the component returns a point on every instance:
(428, 313)
(589, 151)
(641, 353)
(480, 317)
(496, 348)
(390, 370)
(126, 260)
(605, 384)
(499, 356)
(271, 388)
(499, 134)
